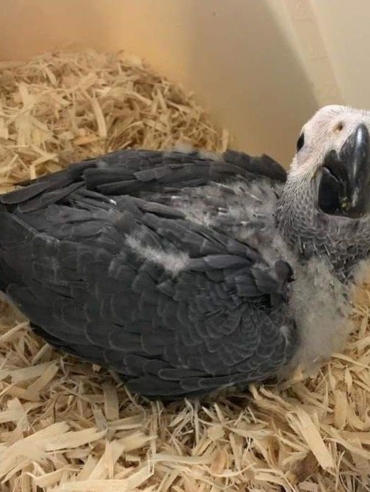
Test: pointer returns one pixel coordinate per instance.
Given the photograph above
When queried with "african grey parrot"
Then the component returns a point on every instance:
(186, 272)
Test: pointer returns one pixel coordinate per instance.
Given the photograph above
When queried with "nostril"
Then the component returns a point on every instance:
(339, 127)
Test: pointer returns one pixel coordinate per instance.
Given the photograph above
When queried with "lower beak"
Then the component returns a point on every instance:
(345, 182)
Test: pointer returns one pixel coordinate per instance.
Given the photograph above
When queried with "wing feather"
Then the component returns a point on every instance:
(108, 268)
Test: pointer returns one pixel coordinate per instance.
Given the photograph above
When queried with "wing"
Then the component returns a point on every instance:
(109, 264)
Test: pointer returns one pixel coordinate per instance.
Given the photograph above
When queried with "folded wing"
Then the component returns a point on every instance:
(113, 260)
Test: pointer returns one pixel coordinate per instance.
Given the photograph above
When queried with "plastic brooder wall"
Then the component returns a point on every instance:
(262, 67)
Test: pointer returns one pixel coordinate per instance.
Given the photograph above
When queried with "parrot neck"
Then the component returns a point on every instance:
(310, 232)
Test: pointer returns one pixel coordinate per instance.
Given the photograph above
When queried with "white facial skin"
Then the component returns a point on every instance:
(327, 130)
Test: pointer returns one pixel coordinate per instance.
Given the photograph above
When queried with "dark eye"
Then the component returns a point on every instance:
(300, 142)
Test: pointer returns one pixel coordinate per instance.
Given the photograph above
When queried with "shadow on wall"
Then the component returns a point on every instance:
(232, 54)
(261, 90)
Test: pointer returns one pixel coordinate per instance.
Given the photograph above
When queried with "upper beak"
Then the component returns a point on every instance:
(345, 183)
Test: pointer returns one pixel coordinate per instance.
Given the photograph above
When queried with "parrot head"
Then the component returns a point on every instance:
(325, 205)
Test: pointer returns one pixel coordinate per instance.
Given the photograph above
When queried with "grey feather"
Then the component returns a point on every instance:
(170, 268)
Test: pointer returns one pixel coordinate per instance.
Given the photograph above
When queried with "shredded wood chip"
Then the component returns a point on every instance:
(313, 439)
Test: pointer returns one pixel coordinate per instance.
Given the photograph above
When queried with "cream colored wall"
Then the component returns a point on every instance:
(345, 26)
(248, 61)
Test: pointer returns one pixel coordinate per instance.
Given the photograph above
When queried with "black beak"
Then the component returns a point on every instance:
(344, 187)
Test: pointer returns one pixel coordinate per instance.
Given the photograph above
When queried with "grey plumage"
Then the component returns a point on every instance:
(183, 272)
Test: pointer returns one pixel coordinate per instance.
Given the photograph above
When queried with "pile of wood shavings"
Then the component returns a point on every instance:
(67, 426)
